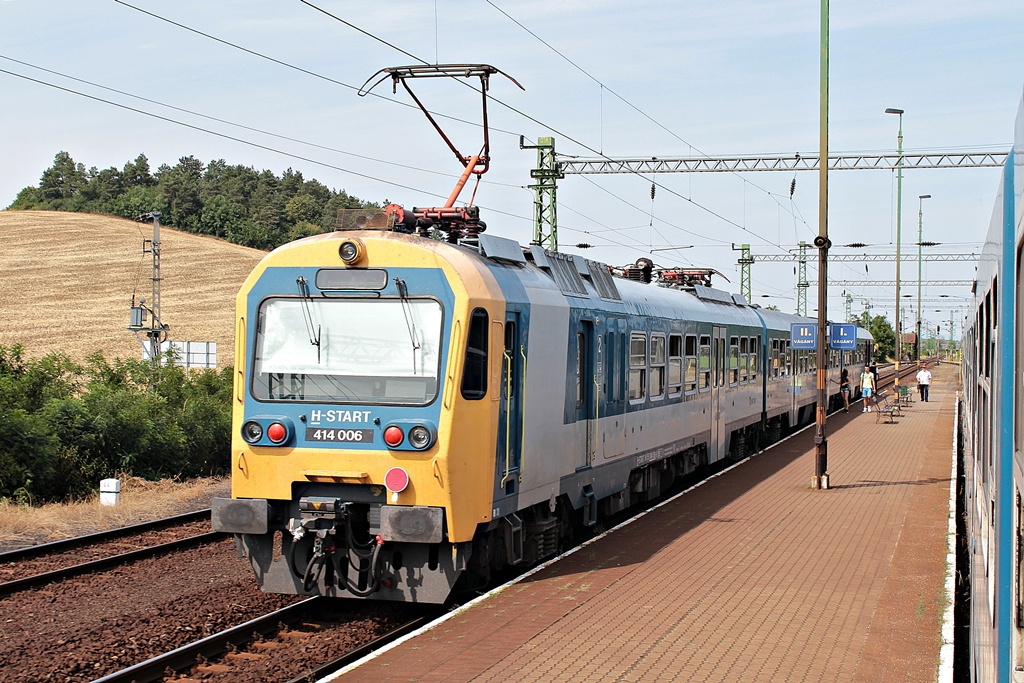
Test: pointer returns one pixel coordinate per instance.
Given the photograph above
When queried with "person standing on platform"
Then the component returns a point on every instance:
(924, 381)
(867, 388)
(844, 389)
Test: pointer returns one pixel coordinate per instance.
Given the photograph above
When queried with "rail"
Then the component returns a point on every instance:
(103, 563)
(100, 536)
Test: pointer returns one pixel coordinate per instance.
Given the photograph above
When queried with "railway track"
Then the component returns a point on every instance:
(271, 633)
(30, 567)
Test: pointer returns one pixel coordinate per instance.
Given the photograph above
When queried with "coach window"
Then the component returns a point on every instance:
(787, 358)
(812, 361)
(657, 366)
(691, 363)
(720, 363)
(755, 353)
(734, 360)
(637, 366)
(675, 365)
(474, 370)
(744, 359)
(704, 362)
(774, 360)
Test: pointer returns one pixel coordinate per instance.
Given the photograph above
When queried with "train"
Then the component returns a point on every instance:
(412, 415)
(990, 438)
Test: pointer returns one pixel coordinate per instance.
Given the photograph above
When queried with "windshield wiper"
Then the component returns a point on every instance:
(307, 316)
(403, 294)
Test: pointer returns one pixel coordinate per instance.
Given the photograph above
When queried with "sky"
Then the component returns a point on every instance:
(664, 78)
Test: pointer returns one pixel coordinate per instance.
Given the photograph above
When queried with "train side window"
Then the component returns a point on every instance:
(704, 363)
(474, 369)
(774, 360)
(734, 360)
(720, 361)
(511, 381)
(675, 365)
(581, 357)
(755, 353)
(657, 376)
(744, 359)
(812, 361)
(690, 376)
(787, 355)
(637, 366)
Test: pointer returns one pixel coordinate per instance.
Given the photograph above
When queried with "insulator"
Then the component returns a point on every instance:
(584, 245)
(652, 191)
(792, 187)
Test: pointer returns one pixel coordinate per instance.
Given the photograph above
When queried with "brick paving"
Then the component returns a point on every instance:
(753, 576)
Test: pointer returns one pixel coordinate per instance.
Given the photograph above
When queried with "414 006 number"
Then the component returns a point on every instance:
(342, 435)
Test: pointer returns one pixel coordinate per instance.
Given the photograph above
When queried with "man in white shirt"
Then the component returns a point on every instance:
(924, 380)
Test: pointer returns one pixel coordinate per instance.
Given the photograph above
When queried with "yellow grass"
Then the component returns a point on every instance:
(141, 501)
(67, 279)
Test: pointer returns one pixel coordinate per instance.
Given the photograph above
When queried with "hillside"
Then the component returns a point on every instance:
(67, 279)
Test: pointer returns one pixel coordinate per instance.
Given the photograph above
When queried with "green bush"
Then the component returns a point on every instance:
(63, 427)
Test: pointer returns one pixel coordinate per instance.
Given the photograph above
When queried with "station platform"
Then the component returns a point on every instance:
(751, 575)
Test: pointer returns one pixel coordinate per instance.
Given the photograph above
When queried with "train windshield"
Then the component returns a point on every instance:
(368, 351)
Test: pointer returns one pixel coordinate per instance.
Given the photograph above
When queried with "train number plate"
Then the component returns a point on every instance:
(340, 435)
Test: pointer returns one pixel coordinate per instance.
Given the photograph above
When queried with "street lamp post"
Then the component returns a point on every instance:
(920, 224)
(899, 225)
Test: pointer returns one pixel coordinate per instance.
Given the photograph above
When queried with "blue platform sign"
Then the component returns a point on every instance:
(803, 335)
(842, 336)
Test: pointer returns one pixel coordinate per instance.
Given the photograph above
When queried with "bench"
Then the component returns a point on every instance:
(886, 408)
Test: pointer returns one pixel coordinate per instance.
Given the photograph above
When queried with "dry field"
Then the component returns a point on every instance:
(141, 501)
(67, 279)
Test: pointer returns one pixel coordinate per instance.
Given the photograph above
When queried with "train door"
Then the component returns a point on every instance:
(612, 416)
(586, 390)
(719, 354)
(510, 426)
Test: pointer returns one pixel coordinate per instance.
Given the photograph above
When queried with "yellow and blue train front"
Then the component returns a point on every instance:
(353, 353)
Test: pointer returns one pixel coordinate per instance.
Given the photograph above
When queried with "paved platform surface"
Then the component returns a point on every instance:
(752, 576)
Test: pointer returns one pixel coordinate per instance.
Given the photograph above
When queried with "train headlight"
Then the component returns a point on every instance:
(351, 251)
(419, 437)
(252, 431)
(394, 436)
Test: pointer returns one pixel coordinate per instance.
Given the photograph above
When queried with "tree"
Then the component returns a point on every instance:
(881, 330)
(180, 187)
(60, 182)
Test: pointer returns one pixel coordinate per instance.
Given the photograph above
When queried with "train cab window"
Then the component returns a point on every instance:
(690, 375)
(704, 363)
(675, 365)
(657, 376)
(637, 366)
(474, 370)
(734, 361)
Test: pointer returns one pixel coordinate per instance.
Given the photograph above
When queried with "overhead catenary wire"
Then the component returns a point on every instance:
(529, 117)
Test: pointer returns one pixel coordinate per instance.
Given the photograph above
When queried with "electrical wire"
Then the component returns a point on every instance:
(528, 117)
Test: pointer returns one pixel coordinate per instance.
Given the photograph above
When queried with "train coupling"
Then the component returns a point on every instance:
(312, 511)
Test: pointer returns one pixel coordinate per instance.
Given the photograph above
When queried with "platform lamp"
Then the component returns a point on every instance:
(899, 226)
(920, 223)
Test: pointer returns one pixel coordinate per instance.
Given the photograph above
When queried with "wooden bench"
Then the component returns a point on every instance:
(886, 407)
